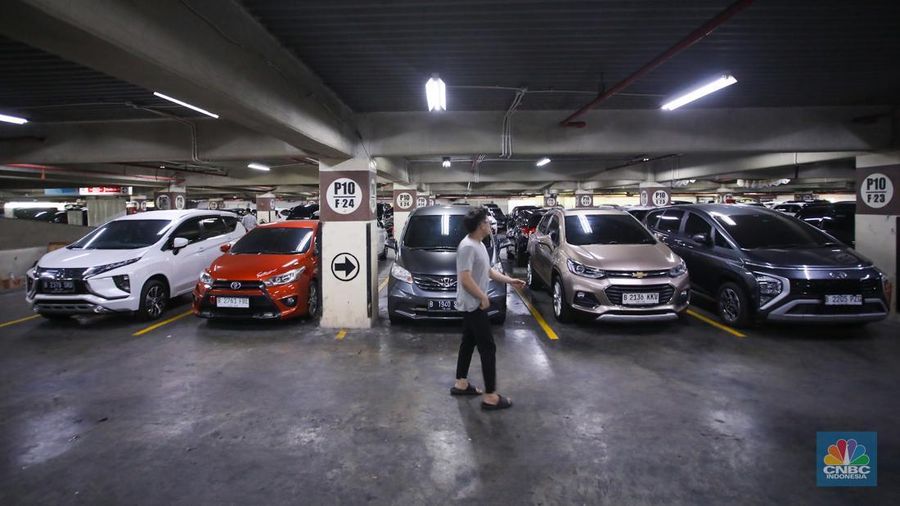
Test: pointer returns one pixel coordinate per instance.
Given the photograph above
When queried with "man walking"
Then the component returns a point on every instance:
(249, 220)
(474, 272)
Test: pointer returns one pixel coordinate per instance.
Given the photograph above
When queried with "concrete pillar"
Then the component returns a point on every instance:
(349, 261)
(405, 201)
(653, 194)
(584, 198)
(265, 208)
(876, 227)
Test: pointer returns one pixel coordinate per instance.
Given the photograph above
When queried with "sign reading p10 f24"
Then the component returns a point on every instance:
(875, 190)
(344, 195)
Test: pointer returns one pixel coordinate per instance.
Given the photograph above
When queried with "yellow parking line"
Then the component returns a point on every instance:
(537, 316)
(383, 284)
(341, 335)
(715, 324)
(160, 324)
(20, 320)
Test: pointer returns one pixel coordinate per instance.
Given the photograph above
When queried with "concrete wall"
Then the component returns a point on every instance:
(876, 236)
(22, 242)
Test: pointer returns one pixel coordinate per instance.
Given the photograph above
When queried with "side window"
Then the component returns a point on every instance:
(189, 230)
(720, 240)
(553, 228)
(696, 225)
(211, 226)
(670, 220)
(652, 218)
(543, 226)
(230, 223)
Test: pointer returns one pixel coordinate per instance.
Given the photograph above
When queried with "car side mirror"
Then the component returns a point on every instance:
(225, 248)
(178, 243)
(703, 239)
(391, 243)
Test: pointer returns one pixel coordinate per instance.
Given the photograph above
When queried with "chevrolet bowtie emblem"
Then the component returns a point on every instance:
(639, 275)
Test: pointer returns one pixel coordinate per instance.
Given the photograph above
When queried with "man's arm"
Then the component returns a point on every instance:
(503, 278)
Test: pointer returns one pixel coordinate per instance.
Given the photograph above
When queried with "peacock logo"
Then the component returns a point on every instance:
(846, 452)
(847, 459)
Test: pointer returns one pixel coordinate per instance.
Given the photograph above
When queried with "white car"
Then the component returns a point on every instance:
(493, 222)
(131, 264)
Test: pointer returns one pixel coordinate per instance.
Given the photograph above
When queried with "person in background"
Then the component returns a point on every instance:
(249, 220)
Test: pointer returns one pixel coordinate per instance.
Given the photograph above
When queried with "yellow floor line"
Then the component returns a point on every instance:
(383, 284)
(160, 324)
(537, 316)
(715, 324)
(20, 320)
(341, 335)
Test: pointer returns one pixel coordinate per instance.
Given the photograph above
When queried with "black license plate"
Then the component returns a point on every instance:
(58, 286)
(442, 305)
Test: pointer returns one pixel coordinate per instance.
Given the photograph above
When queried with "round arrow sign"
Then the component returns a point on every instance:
(345, 266)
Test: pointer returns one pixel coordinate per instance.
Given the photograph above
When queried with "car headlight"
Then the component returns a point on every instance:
(400, 273)
(585, 271)
(769, 288)
(206, 278)
(678, 270)
(287, 277)
(98, 269)
(31, 273)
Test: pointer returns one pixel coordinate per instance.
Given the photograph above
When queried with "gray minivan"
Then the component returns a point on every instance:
(422, 283)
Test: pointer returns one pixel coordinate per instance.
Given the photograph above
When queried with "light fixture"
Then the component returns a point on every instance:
(13, 119)
(372, 164)
(185, 104)
(543, 161)
(723, 81)
(446, 162)
(257, 166)
(436, 93)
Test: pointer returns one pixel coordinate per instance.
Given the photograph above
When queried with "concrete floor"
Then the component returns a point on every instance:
(203, 413)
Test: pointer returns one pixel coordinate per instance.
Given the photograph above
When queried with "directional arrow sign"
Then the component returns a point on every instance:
(345, 266)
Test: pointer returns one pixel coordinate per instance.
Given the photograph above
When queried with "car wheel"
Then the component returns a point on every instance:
(154, 300)
(530, 278)
(732, 305)
(383, 255)
(313, 307)
(561, 309)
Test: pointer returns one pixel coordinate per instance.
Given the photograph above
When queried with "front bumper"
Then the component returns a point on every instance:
(409, 301)
(602, 298)
(266, 303)
(93, 295)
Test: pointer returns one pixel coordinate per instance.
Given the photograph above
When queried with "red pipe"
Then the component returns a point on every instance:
(692, 38)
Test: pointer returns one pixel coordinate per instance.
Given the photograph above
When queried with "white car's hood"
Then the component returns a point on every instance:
(65, 258)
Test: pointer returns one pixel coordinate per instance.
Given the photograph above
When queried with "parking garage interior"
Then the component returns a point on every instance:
(229, 235)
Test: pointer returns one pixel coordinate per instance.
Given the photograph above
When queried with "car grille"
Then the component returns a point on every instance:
(60, 273)
(614, 293)
(435, 283)
(638, 274)
(821, 287)
(225, 284)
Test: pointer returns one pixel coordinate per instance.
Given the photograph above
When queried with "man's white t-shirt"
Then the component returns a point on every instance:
(471, 256)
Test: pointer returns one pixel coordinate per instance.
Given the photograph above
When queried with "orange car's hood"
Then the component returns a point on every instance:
(251, 267)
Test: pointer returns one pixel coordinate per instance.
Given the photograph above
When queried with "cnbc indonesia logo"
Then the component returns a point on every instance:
(846, 461)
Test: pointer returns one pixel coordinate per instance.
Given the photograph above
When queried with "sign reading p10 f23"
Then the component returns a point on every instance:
(875, 190)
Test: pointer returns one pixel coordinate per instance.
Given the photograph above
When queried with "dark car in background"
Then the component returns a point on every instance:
(303, 212)
(757, 263)
(515, 213)
(838, 219)
(422, 283)
(518, 234)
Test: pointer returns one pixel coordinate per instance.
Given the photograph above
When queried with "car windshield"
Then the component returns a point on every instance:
(124, 234)
(436, 232)
(771, 230)
(533, 218)
(584, 229)
(274, 241)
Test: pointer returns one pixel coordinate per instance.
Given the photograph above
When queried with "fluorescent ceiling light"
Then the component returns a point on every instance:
(446, 162)
(436, 93)
(543, 161)
(706, 89)
(257, 166)
(13, 119)
(185, 104)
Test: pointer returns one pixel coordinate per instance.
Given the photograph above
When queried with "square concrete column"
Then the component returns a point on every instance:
(405, 202)
(349, 260)
(878, 214)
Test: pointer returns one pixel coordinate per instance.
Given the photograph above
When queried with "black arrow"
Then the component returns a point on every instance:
(348, 266)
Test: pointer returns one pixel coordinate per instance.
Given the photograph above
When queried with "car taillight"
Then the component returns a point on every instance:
(528, 230)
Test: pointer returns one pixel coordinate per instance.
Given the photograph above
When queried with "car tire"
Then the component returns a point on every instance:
(313, 300)
(383, 255)
(561, 309)
(531, 279)
(733, 305)
(154, 300)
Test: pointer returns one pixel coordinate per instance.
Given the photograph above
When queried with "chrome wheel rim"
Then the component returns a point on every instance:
(155, 301)
(557, 298)
(313, 302)
(729, 304)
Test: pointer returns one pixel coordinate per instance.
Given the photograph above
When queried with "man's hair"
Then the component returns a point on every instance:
(474, 218)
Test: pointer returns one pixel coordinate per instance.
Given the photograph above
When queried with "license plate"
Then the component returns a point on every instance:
(442, 305)
(843, 300)
(239, 302)
(57, 286)
(639, 299)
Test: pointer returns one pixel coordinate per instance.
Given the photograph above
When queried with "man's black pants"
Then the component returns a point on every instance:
(477, 333)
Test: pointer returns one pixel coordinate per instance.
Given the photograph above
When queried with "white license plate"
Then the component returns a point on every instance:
(843, 300)
(239, 302)
(442, 305)
(639, 299)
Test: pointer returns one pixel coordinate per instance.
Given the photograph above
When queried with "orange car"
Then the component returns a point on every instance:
(272, 272)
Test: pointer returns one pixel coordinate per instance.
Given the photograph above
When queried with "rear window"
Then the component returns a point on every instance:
(436, 232)
(582, 230)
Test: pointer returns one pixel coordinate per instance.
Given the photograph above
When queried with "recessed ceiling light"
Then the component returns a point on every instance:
(185, 104)
(436, 93)
(446, 162)
(543, 161)
(257, 166)
(723, 81)
(13, 119)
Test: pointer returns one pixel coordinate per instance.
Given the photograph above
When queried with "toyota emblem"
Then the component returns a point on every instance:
(235, 285)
